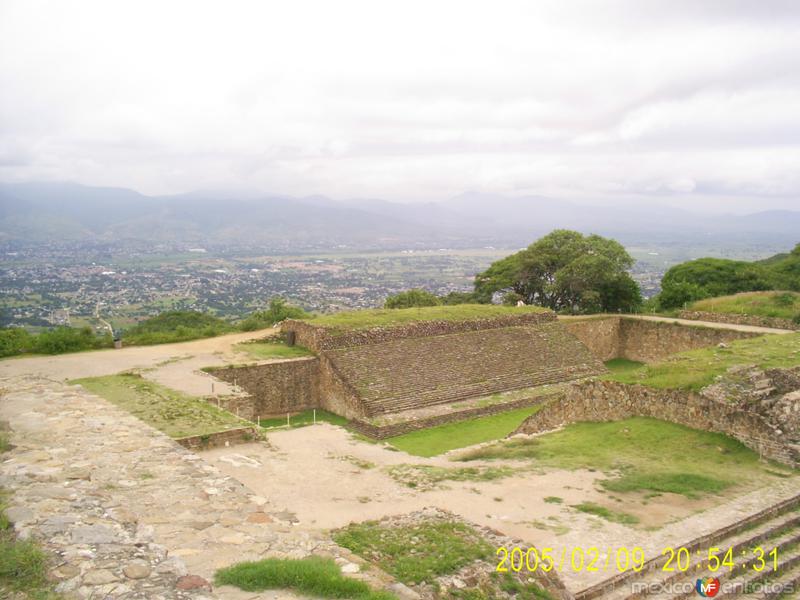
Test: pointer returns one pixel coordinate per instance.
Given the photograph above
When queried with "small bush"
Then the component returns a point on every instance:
(412, 298)
(68, 339)
(176, 326)
(313, 576)
(278, 311)
(14, 340)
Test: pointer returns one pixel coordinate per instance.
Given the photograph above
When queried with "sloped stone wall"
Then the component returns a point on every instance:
(601, 401)
(734, 319)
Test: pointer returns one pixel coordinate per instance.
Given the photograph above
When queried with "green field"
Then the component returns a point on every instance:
(176, 414)
(782, 305)
(641, 454)
(696, 369)
(363, 319)
(437, 440)
(304, 418)
(270, 350)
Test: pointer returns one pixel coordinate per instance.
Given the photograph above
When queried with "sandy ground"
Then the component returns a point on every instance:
(313, 473)
(174, 365)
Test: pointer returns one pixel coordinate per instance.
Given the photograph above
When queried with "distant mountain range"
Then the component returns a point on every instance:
(42, 212)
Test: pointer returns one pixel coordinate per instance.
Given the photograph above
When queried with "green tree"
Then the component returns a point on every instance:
(412, 298)
(567, 271)
(465, 298)
(277, 311)
(709, 277)
(15, 340)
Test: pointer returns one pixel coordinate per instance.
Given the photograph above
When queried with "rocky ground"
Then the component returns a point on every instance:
(124, 511)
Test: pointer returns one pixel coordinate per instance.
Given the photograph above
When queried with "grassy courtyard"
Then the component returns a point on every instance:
(364, 319)
(696, 369)
(437, 440)
(641, 455)
(176, 414)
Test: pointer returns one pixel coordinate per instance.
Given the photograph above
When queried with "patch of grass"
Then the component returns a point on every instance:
(176, 414)
(622, 365)
(417, 553)
(651, 455)
(315, 576)
(605, 513)
(304, 418)
(272, 350)
(428, 476)
(437, 440)
(696, 369)
(690, 485)
(553, 500)
(781, 305)
(363, 319)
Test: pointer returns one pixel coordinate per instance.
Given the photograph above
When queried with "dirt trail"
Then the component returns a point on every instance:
(174, 365)
(711, 324)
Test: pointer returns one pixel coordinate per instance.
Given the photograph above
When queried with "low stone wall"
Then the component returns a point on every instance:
(230, 437)
(318, 339)
(380, 432)
(644, 340)
(601, 401)
(736, 319)
(274, 388)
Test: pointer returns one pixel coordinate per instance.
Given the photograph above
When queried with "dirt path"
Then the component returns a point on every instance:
(691, 323)
(175, 365)
(303, 470)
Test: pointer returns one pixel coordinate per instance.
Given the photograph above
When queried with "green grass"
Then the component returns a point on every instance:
(605, 513)
(640, 454)
(270, 350)
(362, 319)
(622, 365)
(305, 418)
(416, 553)
(782, 305)
(696, 369)
(429, 476)
(315, 576)
(176, 414)
(437, 440)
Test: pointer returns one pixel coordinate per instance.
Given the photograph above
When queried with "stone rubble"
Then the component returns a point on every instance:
(124, 511)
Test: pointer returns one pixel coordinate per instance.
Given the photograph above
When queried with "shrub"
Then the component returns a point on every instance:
(412, 298)
(14, 340)
(278, 311)
(176, 326)
(68, 339)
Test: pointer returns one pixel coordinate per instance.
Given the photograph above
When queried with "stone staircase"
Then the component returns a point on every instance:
(777, 527)
(413, 373)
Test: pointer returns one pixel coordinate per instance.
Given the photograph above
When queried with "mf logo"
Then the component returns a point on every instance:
(708, 587)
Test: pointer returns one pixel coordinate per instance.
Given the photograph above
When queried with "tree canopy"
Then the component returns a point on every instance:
(567, 271)
(411, 298)
(709, 277)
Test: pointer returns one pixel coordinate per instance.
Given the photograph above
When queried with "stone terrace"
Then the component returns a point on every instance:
(124, 511)
(421, 371)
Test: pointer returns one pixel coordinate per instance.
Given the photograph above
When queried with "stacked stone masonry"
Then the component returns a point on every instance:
(320, 338)
(734, 319)
(646, 341)
(411, 373)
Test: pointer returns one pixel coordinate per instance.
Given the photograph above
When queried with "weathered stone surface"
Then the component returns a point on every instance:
(192, 582)
(99, 577)
(137, 570)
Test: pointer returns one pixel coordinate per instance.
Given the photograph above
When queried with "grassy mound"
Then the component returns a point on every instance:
(781, 305)
(176, 414)
(696, 369)
(364, 319)
(315, 576)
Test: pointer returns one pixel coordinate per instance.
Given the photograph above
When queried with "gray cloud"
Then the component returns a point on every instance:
(683, 101)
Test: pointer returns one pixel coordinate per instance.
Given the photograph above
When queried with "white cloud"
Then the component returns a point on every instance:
(406, 100)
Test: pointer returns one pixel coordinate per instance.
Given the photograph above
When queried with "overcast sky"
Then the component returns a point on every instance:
(694, 103)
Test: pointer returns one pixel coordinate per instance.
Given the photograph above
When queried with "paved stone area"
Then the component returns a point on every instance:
(125, 511)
